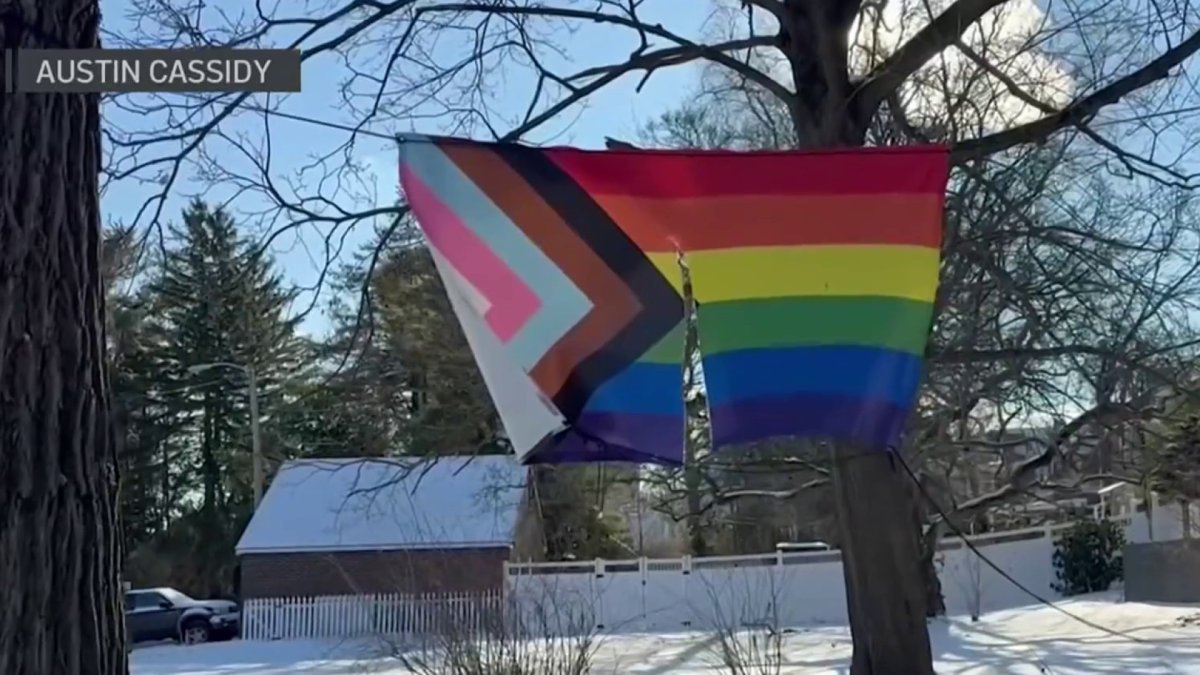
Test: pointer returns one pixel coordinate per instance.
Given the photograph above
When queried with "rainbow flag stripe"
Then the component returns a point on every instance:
(814, 274)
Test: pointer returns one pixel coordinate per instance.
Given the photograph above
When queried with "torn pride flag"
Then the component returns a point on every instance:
(814, 275)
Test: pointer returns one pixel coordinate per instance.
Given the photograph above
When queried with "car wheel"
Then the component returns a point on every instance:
(195, 632)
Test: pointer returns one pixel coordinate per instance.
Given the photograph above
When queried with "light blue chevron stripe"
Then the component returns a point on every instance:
(563, 304)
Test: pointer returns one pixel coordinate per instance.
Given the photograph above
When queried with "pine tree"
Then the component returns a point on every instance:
(403, 373)
(216, 300)
(132, 414)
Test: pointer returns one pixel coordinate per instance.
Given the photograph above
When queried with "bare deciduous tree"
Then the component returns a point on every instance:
(1105, 78)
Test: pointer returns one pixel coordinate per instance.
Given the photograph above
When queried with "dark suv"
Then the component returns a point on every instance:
(167, 614)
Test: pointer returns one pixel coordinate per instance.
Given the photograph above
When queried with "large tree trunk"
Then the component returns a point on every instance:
(692, 480)
(882, 564)
(935, 601)
(881, 552)
(59, 536)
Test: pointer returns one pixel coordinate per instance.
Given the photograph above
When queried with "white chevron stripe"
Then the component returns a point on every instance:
(527, 415)
(563, 303)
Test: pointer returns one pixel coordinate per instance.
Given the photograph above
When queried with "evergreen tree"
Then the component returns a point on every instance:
(449, 408)
(406, 382)
(402, 378)
(124, 346)
(215, 300)
(142, 426)
(1175, 467)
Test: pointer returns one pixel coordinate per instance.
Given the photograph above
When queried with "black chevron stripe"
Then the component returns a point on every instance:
(662, 307)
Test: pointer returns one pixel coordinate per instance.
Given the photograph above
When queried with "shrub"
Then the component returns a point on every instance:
(536, 636)
(749, 638)
(1087, 557)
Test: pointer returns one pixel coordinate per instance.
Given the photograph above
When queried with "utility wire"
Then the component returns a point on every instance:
(320, 123)
(1036, 596)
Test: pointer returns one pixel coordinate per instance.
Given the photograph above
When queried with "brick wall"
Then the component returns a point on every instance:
(281, 575)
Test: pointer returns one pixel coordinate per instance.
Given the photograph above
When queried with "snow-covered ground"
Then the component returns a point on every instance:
(1034, 640)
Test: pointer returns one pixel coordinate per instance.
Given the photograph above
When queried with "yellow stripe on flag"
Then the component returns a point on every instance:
(790, 271)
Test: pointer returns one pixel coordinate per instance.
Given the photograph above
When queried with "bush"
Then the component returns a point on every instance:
(1087, 557)
(540, 636)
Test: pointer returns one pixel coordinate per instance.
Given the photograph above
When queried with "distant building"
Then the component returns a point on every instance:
(353, 526)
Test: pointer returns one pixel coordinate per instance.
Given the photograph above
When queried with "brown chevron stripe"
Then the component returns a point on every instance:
(614, 304)
(660, 308)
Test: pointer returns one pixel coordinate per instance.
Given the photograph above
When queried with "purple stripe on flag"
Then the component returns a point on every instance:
(616, 437)
(867, 422)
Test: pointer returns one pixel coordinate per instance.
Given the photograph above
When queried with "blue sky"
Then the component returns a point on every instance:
(619, 110)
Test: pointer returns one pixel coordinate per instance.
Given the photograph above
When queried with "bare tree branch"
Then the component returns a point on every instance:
(1081, 111)
(934, 38)
(1024, 475)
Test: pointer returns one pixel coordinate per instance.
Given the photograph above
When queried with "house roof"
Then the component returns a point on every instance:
(373, 504)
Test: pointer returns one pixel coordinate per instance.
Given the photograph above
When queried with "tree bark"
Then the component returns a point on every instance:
(935, 601)
(882, 564)
(60, 545)
(881, 552)
(697, 541)
(692, 480)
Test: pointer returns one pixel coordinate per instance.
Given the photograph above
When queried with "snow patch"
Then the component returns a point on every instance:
(1036, 640)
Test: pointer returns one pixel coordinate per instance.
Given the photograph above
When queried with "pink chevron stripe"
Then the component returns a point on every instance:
(511, 302)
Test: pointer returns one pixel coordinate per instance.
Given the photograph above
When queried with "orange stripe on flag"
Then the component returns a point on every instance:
(732, 222)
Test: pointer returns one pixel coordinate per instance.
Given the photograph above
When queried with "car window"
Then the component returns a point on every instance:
(176, 597)
(145, 600)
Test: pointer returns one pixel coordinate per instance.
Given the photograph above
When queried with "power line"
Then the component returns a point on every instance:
(1022, 587)
(393, 137)
(321, 123)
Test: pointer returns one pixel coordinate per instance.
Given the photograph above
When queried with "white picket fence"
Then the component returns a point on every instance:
(783, 589)
(349, 616)
(678, 594)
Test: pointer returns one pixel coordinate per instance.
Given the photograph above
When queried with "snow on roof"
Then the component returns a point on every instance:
(369, 504)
